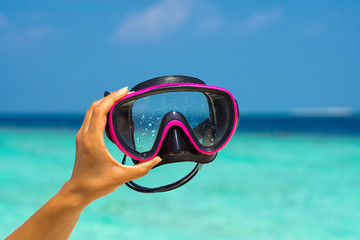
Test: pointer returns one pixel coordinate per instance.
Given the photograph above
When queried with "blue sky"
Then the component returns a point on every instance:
(59, 56)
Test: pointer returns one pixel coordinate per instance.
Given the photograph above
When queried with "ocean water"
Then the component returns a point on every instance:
(292, 182)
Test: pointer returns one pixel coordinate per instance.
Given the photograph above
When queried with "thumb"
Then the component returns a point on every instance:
(141, 169)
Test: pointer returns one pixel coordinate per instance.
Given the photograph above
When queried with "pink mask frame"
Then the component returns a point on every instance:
(173, 122)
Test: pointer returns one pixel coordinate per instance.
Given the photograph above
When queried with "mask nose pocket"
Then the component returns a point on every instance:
(175, 142)
(176, 147)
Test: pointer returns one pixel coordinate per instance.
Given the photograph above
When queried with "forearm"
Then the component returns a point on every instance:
(95, 174)
(55, 220)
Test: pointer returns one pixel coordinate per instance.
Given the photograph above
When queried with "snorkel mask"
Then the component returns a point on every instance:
(178, 118)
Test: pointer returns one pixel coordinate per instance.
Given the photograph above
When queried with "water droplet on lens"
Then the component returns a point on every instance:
(150, 125)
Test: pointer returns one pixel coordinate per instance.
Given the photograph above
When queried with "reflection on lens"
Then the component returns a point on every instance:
(148, 112)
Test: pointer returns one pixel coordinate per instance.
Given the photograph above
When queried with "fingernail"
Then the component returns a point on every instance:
(158, 160)
(124, 89)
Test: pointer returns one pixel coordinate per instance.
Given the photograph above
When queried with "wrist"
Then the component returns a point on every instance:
(72, 197)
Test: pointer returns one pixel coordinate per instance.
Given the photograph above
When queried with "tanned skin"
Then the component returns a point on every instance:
(95, 174)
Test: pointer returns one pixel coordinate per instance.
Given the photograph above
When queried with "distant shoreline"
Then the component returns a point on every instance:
(278, 123)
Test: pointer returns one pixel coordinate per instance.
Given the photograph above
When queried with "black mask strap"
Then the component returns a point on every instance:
(167, 187)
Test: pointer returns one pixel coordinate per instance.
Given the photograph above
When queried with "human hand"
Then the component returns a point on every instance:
(96, 173)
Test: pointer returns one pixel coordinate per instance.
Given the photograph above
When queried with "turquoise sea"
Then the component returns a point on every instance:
(265, 184)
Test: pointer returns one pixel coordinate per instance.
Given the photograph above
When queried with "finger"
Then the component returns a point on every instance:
(98, 119)
(85, 125)
(140, 169)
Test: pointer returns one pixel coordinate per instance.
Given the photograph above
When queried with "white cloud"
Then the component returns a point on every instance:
(312, 29)
(23, 35)
(260, 19)
(3, 20)
(26, 36)
(206, 18)
(165, 17)
(209, 23)
(38, 32)
(37, 16)
(156, 21)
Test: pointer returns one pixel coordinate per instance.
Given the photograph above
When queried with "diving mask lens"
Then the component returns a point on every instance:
(138, 121)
